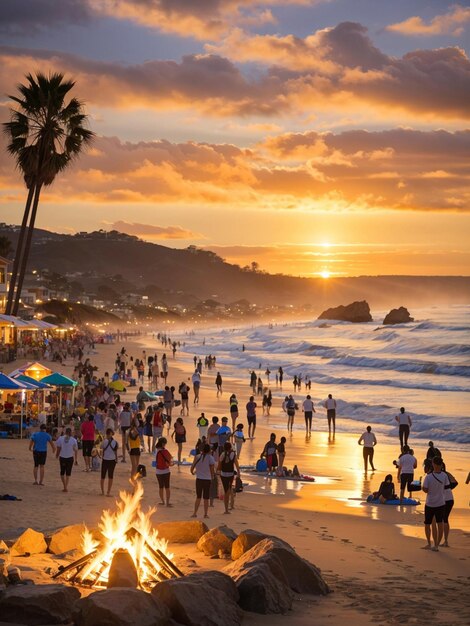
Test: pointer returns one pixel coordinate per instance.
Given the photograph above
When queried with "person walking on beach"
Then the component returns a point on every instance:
(309, 410)
(87, 429)
(203, 467)
(183, 390)
(133, 447)
(202, 425)
(148, 428)
(38, 444)
(196, 380)
(406, 467)
(228, 462)
(157, 424)
(434, 486)
(330, 406)
(124, 423)
(291, 407)
(281, 376)
(212, 433)
(66, 452)
(404, 426)
(251, 416)
(179, 436)
(253, 381)
(223, 434)
(233, 402)
(281, 451)
(449, 503)
(109, 456)
(270, 453)
(239, 439)
(369, 441)
(218, 384)
(163, 462)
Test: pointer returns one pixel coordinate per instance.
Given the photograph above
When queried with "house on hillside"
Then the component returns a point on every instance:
(3, 283)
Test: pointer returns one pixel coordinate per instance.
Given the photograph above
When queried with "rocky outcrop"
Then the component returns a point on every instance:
(182, 532)
(398, 316)
(217, 540)
(66, 539)
(30, 542)
(208, 599)
(354, 312)
(120, 607)
(38, 604)
(267, 574)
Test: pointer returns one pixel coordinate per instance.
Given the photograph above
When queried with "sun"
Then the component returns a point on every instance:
(325, 274)
(326, 244)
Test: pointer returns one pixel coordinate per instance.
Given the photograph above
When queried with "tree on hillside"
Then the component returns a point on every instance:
(45, 133)
(5, 247)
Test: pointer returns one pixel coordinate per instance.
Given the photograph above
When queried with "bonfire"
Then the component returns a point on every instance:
(125, 533)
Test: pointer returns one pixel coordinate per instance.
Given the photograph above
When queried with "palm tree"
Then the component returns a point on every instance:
(45, 134)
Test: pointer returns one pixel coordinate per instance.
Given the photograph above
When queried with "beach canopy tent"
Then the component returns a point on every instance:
(7, 383)
(42, 325)
(36, 384)
(33, 370)
(59, 380)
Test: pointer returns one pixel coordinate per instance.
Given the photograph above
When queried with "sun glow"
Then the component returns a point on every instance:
(325, 274)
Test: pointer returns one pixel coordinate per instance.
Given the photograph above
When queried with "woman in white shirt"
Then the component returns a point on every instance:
(67, 450)
(203, 467)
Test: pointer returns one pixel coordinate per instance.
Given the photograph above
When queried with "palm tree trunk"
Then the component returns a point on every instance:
(18, 255)
(27, 247)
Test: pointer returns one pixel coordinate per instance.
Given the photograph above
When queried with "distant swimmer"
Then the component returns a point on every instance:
(330, 406)
(404, 422)
(369, 441)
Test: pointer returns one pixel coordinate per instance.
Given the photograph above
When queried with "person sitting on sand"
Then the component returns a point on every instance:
(386, 490)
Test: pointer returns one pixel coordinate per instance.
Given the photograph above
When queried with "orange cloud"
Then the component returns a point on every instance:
(451, 23)
(150, 231)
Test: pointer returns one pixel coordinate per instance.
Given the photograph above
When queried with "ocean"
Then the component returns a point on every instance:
(371, 370)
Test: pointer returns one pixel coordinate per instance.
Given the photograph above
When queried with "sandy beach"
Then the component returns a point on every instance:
(371, 556)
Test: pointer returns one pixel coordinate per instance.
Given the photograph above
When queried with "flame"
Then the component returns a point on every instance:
(118, 531)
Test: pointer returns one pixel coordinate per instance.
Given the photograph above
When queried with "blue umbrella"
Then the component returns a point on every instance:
(10, 384)
(35, 384)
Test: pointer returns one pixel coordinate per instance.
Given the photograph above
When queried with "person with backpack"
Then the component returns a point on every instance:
(228, 462)
(291, 407)
(203, 467)
(179, 435)
(163, 462)
(109, 456)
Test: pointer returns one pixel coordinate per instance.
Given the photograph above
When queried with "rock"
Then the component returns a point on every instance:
(398, 316)
(5, 557)
(38, 604)
(66, 539)
(217, 539)
(120, 607)
(30, 542)
(261, 591)
(123, 572)
(354, 312)
(208, 599)
(182, 532)
(247, 539)
(184, 563)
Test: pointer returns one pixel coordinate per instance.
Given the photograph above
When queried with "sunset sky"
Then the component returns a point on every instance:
(316, 137)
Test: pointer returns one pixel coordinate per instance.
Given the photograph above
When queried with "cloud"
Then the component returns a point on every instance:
(30, 16)
(398, 169)
(451, 23)
(150, 231)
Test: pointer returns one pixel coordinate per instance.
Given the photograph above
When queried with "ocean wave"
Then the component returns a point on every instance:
(427, 325)
(402, 365)
(384, 382)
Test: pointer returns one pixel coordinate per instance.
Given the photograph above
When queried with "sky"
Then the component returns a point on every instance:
(315, 137)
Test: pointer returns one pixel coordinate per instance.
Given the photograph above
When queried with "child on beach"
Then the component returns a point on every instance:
(239, 439)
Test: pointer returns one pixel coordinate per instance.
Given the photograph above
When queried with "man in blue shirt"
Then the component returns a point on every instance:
(223, 434)
(38, 444)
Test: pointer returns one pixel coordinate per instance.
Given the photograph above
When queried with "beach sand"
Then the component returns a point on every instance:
(371, 556)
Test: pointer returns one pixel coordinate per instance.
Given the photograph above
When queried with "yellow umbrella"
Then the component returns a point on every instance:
(117, 385)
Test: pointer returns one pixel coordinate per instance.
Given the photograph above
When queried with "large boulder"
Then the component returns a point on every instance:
(398, 316)
(182, 532)
(217, 540)
(354, 312)
(66, 539)
(30, 542)
(38, 604)
(262, 584)
(276, 566)
(208, 599)
(120, 607)
(247, 539)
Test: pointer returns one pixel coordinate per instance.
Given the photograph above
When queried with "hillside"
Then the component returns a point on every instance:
(194, 274)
